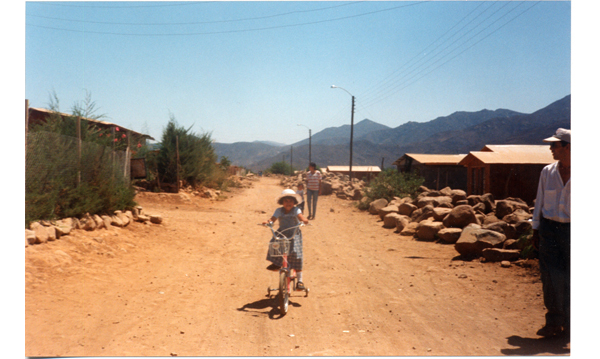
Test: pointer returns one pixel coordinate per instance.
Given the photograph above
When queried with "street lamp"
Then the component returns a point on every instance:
(309, 143)
(351, 127)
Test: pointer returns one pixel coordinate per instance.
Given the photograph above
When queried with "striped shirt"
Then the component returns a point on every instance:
(553, 199)
(313, 181)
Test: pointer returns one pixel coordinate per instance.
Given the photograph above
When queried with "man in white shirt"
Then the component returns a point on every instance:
(552, 235)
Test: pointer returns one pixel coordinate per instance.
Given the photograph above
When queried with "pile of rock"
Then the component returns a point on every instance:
(477, 225)
(43, 231)
(331, 184)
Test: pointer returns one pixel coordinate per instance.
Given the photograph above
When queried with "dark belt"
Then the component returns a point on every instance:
(555, 223)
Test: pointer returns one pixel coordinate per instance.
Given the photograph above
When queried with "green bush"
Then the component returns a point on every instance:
(197, 158)
(59, 183)
(281, 167)
(390, 183)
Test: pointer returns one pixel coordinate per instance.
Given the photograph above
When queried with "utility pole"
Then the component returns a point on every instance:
(292, 160)
(351, 137)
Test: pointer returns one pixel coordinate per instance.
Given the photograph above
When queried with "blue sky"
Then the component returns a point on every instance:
(248, 71)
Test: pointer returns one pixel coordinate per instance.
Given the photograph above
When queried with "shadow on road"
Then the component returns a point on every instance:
(533, 346)
(267, 303)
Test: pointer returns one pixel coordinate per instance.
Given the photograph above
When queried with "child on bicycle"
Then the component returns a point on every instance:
(289, 216)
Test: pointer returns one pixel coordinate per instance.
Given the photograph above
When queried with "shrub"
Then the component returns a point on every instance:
(59, 183)
(281, 167)
(391, 183)
(197, 159)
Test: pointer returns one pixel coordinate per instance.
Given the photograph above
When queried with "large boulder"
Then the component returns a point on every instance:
(439, 213)
(406, 208)
(449, 235)
(474, 239)
(391, 220)
(377, 204)
(506, 207)
(460, 217)
(409, 230)
(428, 230)
(402, 222)
(387, 210)
(433, 201)
(518, 215)
(499, 255)
(422, 214)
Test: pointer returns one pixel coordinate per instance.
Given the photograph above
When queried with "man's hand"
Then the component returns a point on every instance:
(536, 239)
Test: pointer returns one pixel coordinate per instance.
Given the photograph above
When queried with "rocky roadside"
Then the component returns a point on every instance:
(40, 232)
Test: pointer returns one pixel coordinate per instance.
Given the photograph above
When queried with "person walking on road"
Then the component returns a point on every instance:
(552, 235)
(313, 186)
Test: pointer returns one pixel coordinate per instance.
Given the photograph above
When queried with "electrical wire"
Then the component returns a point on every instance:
(198, 22)
(233, 31)
(399, 87)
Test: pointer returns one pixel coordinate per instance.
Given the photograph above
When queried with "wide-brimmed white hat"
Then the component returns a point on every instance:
(560, 135)
(288, 193)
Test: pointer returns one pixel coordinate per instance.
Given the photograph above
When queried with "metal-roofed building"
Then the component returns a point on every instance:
(438, 170)
(365, 173)
(506, 170)
(39, 115)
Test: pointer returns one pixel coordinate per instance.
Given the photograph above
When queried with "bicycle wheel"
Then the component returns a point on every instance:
(284, 294)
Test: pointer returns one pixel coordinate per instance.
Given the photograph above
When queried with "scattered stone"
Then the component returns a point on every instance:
(505, 264)
(156, 219)
(30, 237)
(499, 255)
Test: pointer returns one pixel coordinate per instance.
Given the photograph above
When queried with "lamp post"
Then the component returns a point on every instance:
(351, 127)
(309, 143)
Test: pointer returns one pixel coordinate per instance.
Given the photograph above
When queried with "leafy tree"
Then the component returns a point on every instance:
(196, 155)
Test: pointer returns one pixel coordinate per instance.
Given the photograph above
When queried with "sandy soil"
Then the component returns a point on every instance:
(197, 286)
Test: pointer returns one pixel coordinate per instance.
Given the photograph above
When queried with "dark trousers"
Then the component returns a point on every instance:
(555, 268)
(312, 197)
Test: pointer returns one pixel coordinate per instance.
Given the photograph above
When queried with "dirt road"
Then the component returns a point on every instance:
(196, 286)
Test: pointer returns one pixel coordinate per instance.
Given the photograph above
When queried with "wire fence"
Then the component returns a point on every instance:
(65, 176)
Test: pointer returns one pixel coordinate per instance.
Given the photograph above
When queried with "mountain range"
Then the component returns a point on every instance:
(376, 144)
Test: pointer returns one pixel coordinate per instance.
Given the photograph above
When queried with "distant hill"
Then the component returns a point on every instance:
(245, 153)
(341, 135)
(460, 132)
(418, 131)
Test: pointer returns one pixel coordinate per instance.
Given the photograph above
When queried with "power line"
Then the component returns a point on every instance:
(460, 53)
(198, 22)
(234, 31)
(391, 76)
(435, 52)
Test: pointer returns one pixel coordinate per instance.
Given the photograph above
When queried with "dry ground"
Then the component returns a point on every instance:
(196, 286)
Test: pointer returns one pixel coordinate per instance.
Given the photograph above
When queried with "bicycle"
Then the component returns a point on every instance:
(280, 247)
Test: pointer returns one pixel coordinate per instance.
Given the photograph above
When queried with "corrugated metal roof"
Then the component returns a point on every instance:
(511, 154)
(91, 120)
(435, 159)
(354, 169)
